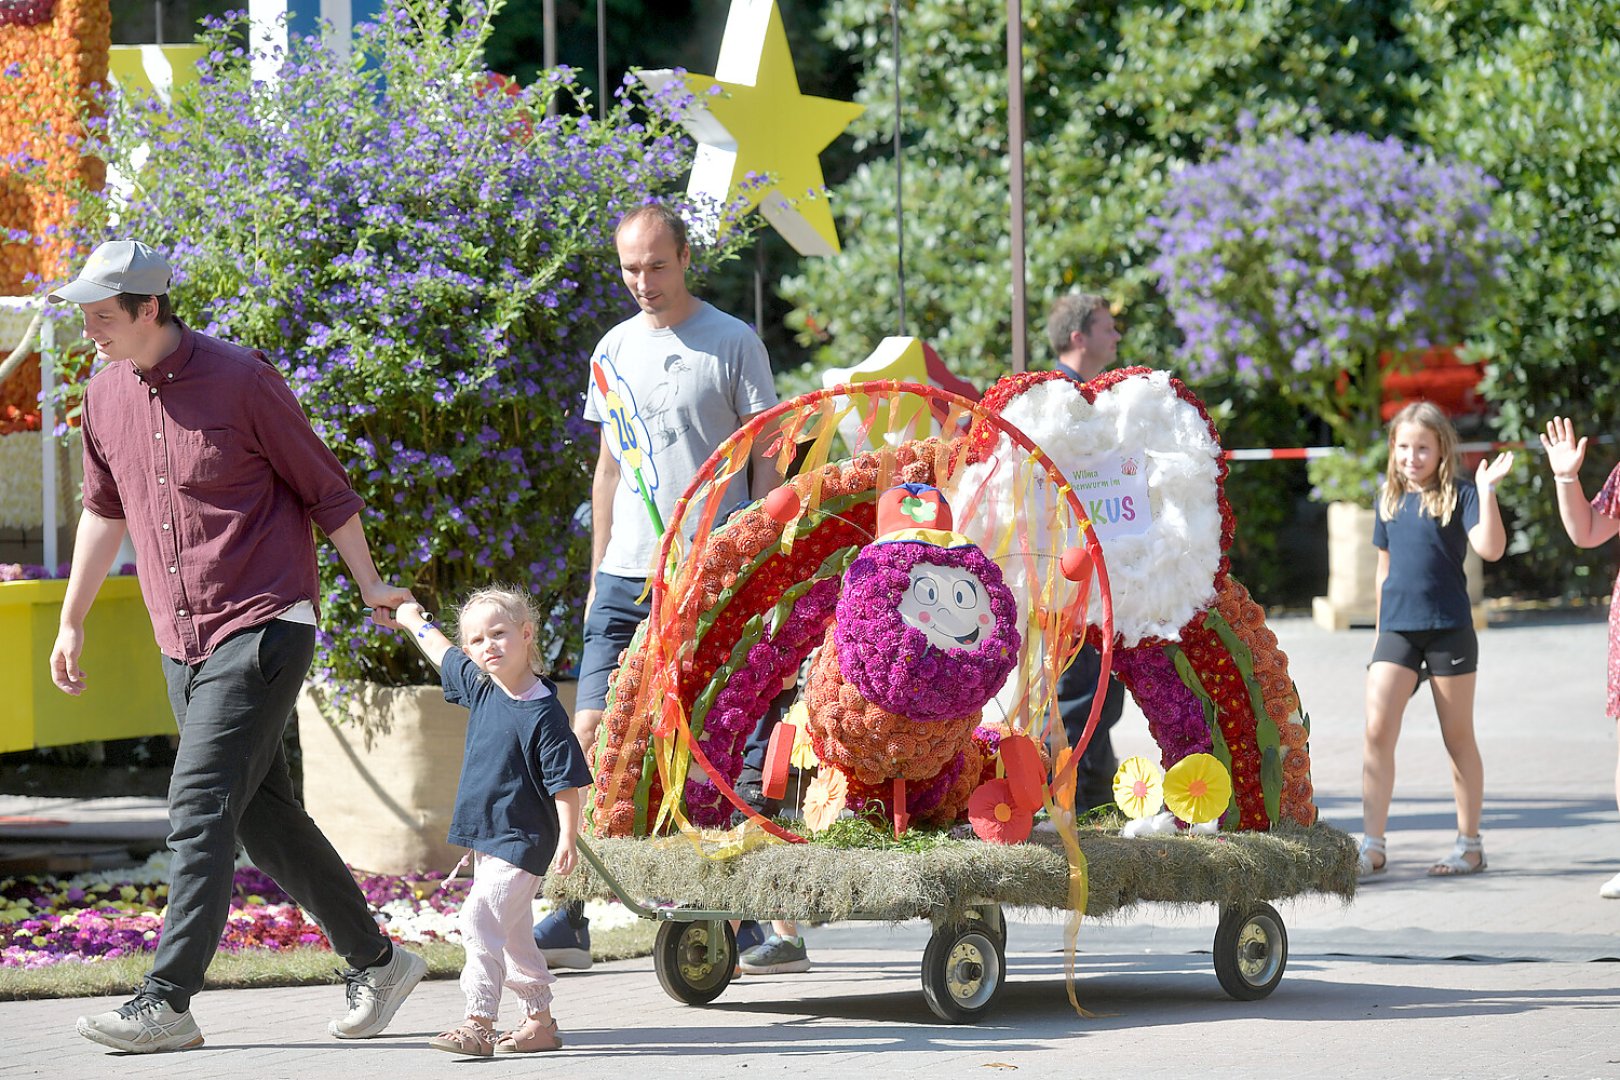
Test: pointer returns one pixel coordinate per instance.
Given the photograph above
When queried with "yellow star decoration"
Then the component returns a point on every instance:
(759, 123)
(902, 360)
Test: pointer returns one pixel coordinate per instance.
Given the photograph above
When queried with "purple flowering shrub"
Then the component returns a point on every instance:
(892, 664)
(1299, 261)
(428, 257)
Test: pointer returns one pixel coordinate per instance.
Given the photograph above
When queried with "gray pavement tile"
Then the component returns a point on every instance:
(1373, 988)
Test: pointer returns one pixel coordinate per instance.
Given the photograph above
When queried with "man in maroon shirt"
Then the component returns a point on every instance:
(198, 451)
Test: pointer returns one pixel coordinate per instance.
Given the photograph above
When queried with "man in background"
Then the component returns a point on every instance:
(1085, 340)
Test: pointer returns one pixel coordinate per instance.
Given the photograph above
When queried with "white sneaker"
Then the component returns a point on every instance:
(376, 993)
(146, 1024)
(1611, 888)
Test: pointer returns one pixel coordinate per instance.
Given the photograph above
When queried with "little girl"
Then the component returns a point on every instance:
(1589, 524)
(517, 805)
(1427, 517)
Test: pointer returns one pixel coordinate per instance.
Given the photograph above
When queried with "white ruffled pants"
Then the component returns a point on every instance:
(497, 931)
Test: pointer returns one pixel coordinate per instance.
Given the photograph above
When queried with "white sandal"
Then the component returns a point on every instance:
(1370, 846)
(1456, 864)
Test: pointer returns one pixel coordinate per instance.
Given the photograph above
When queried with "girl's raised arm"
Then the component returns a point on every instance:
(428, 637)
(1488, 536)
(1565, 453)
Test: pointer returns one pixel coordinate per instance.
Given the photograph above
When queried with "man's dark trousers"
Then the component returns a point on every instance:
(231, 782)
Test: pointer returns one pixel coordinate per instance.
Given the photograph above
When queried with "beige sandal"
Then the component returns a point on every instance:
(472, 1039)
(530, 1037)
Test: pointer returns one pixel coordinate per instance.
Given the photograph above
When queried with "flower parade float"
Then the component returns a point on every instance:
(922, 595)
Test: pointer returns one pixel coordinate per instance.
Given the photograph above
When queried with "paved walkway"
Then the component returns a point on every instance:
(1502, 975)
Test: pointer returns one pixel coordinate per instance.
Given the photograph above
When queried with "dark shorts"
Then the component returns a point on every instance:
(609, 626)
(1444, 652)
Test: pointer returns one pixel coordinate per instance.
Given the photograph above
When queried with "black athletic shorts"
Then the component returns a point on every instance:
(1444, 652)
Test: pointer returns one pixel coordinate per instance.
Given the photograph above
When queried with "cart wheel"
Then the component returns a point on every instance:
(681, 955)
(1251, 951)
(962, 969)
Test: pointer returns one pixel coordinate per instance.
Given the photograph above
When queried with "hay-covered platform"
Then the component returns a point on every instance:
(821, 882)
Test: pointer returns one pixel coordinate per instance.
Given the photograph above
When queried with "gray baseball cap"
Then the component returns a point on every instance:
(118, 266)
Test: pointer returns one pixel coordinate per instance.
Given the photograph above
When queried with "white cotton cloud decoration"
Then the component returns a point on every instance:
(1160, 577)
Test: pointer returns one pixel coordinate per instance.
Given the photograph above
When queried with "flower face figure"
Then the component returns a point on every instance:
(948, 604)
(944, 666)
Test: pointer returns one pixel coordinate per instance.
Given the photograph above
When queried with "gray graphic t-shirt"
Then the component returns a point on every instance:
(665, 399)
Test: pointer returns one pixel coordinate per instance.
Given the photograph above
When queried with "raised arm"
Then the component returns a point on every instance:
(1488, 536)
(1565, 454)
(429, 638)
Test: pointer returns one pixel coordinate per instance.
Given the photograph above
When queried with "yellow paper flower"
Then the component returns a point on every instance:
(1197, 788)
(1138, 788)
(803, 757)
(824, 799)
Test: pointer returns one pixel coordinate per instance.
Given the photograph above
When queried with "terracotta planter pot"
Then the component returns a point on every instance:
(386, 806)
(1352, 597)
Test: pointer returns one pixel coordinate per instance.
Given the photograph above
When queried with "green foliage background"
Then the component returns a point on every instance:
(1527, 90)
(1118, 97)
(1121, 95)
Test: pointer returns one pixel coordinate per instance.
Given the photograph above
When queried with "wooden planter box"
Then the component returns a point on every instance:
(124, 697)
(386, 806)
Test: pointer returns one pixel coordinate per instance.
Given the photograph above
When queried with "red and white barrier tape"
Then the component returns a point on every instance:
(1305, 453)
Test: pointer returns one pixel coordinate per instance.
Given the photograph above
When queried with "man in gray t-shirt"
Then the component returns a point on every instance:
(668, 386)
(672, 395)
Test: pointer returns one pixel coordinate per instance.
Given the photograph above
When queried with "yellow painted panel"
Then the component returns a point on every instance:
(124, 695)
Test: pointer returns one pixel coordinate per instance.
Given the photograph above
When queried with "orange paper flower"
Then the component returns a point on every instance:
(824, 799)
(995, 817)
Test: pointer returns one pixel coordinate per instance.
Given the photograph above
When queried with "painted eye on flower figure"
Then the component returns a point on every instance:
(924, 589)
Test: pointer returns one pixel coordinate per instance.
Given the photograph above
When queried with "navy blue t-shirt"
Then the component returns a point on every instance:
(519, 754)
(1426, 588)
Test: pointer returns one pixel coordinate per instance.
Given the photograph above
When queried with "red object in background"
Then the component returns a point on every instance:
(26, 12)
(19, 399)
(778, 758)
(1435, 375)
(1026, 776)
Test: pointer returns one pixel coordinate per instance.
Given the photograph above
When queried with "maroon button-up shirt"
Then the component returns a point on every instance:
(214, 467)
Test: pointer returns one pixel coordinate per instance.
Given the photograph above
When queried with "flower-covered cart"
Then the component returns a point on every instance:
(919, 599)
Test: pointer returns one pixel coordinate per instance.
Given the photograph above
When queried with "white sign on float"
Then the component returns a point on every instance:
(1113, 489)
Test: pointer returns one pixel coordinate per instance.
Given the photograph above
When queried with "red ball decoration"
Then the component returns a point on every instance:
(1076, 564)
(782, 504)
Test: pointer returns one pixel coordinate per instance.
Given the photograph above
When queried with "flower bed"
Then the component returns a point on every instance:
(103, 915)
